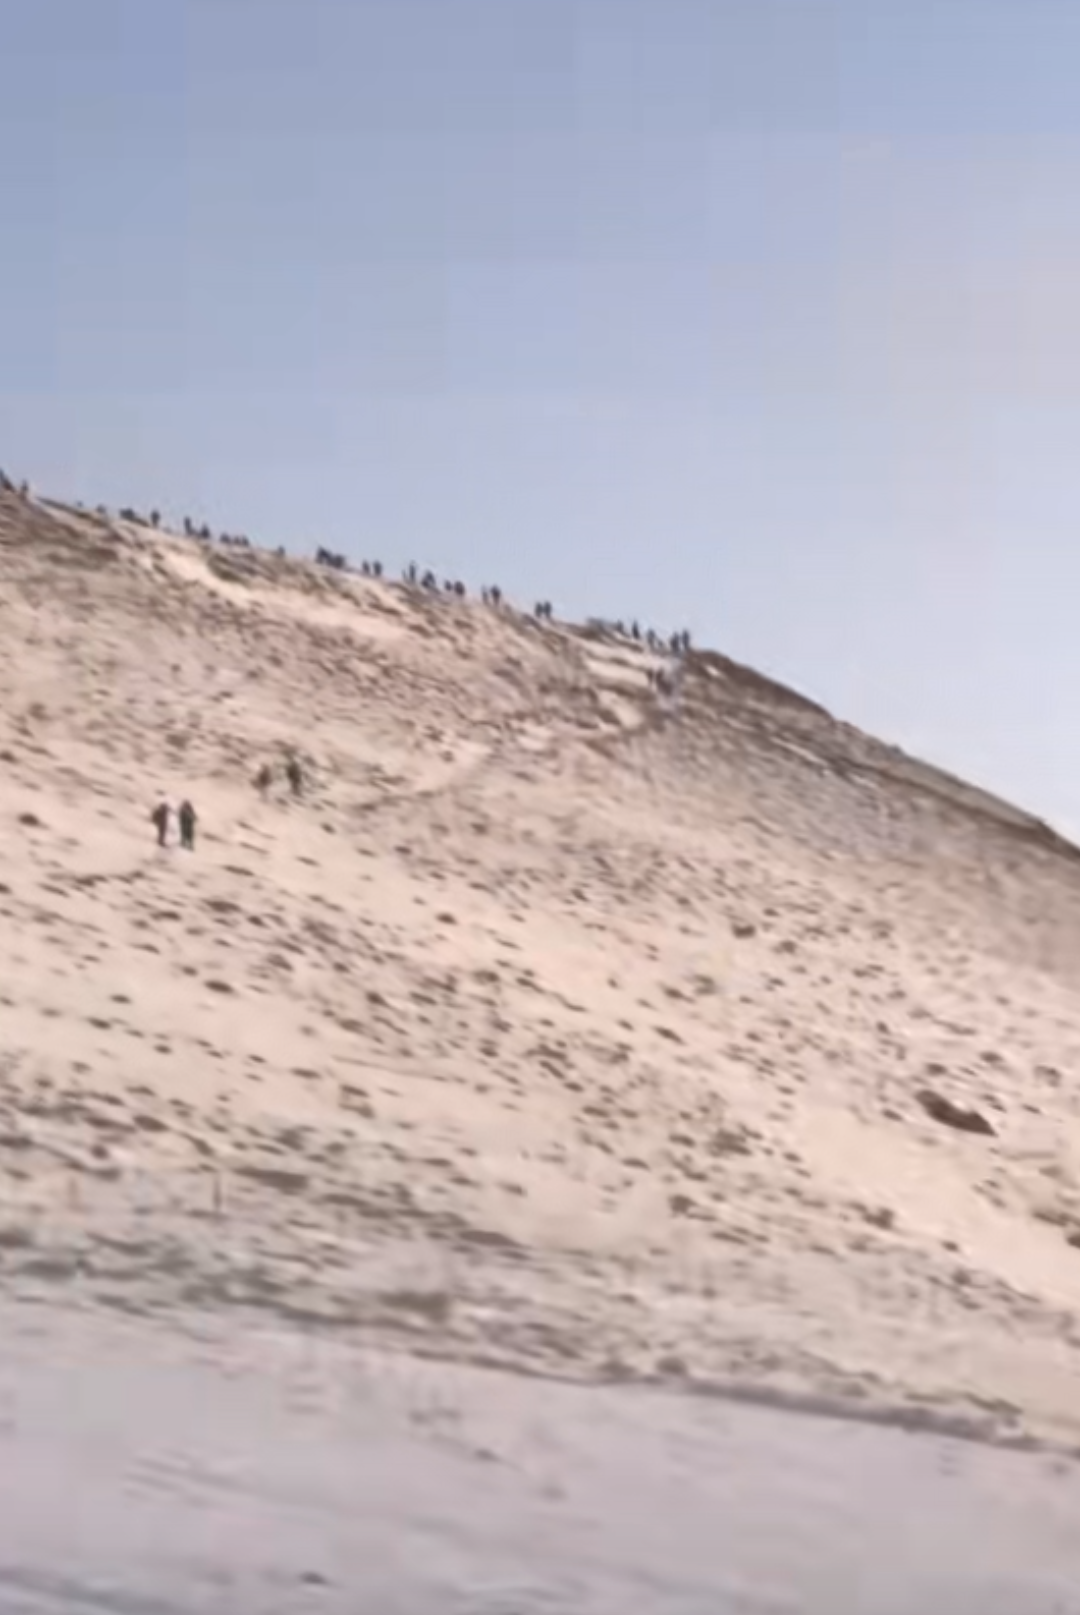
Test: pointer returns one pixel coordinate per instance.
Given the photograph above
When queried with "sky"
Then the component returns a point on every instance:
(759, 317)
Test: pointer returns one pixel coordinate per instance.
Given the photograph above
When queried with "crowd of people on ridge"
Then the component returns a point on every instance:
(676, 644)
(664, 680)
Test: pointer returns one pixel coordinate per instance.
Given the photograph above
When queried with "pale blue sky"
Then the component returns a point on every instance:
(761, 316)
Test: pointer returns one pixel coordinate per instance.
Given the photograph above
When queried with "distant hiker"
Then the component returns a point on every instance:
(295, 776)
(186, 820)
(160, 820)
(264, 779)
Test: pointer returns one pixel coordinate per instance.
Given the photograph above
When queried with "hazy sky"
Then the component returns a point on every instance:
(759, 316)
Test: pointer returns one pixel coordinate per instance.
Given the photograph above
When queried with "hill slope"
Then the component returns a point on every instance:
(557, 1023)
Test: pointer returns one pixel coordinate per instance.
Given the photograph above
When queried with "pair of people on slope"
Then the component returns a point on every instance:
(186, 819)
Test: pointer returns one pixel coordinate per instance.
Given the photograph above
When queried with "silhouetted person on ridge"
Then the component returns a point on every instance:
(186, 818)
(295, 776)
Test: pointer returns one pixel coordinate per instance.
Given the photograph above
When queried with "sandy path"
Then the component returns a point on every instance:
(144, 1472)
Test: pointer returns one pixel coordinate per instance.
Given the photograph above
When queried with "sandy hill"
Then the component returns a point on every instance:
(558, 1023)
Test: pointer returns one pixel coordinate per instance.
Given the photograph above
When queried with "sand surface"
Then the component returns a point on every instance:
(558, 1026)
(201, 1471)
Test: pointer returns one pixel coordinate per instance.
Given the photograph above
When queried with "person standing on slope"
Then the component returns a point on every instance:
(160, 820)
(186, 818)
